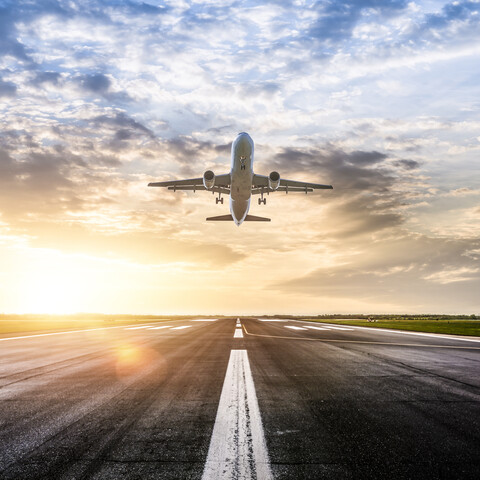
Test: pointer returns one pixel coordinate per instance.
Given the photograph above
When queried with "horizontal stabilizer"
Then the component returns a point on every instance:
(221, 218)
(253, 218)
(228, 218)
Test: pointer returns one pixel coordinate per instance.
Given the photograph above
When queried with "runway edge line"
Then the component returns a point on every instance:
(237, 447)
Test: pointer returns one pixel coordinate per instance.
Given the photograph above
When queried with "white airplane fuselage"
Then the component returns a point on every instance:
(241, 177)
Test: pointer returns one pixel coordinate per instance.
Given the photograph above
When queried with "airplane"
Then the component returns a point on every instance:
(241, 183)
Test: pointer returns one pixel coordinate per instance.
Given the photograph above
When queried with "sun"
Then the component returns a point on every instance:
(51, 293)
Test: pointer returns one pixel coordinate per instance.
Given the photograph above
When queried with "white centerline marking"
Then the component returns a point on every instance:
(182, 327)
(317, 328)
(204, 320)
(158, 328)
(237, 447)
(138, 328)
(294, 328)
(238, 333)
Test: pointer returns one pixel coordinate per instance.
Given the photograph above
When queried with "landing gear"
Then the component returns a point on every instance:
(219, 199)
(262, 200)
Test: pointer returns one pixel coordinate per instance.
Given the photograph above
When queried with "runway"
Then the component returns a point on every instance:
(264, 399)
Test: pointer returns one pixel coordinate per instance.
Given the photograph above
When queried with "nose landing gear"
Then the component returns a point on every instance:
(219, 199)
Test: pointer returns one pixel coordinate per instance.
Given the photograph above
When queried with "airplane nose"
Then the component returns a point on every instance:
(244, 142)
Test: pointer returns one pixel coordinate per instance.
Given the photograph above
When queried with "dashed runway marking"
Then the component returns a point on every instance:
(294, 328)
(182, 327)
(238, 333)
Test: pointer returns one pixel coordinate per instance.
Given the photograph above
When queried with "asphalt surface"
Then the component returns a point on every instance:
(142, 403)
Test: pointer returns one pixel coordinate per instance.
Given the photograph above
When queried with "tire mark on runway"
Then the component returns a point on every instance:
(50, 368)
(31, 441)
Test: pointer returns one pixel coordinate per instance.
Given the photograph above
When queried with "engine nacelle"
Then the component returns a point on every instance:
(274, 180)
(209, 179)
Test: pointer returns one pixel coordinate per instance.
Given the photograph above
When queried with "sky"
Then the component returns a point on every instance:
(379, 98)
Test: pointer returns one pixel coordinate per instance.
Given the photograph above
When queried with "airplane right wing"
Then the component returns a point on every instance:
(260, 184)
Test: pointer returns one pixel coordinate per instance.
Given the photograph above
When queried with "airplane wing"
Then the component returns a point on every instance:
(260, 182)
(188, 182)
(195, 184)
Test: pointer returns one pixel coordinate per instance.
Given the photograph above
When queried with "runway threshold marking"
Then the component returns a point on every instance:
(308, 339)
(339, 328)
(237, 447)
(408, 332)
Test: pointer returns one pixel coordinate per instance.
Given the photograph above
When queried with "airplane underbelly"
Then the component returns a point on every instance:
(239, 208)
(240, 193)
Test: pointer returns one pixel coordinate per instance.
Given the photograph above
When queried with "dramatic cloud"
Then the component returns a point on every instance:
(378, 98)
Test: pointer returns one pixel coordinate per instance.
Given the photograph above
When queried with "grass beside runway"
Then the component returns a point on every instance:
(445, 326)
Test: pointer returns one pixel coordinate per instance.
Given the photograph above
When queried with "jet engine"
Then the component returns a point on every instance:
(273, 180)
(208, 179)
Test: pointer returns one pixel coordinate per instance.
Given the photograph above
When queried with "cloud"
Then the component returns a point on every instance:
(42, 78)
(373, 97)
(452, 12)
(187, 151)
(126, 124)
(9, 45)
(7, 89)
(101, 85)
(337, 20)
(348, 170)
(407, 164)
(155, 248)
(416, 269)
(96, 83)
